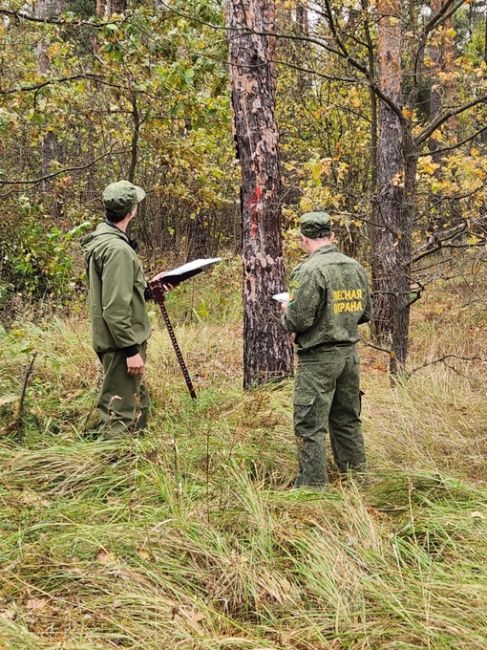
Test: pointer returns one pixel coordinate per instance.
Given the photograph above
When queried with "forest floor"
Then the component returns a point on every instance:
(189, 538)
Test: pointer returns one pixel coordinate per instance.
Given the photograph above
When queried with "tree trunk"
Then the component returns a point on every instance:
(442, 53)
(483, 135)
(373, 110)
(394, 197)
(267, 347)
(197, 243)
(134, 152)
(45, 9)
(105, 8)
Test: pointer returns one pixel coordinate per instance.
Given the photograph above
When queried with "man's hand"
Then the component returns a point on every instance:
(284, 306)
(135, 365)
(167, 287)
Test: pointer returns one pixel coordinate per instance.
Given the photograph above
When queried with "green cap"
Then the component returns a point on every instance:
(120, 197)
(315, 225)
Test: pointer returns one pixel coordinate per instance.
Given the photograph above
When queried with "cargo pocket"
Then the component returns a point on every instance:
(305, 411)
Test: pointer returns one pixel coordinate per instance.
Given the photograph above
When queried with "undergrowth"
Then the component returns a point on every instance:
(189, 538)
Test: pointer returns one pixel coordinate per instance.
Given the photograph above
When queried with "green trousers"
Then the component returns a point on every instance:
(327, 399)
(124, 401)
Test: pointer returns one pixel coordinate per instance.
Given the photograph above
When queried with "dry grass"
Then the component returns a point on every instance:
(188, 539)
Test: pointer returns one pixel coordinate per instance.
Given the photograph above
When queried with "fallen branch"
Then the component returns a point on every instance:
(377, 347)
(18, 424)
(444, 358)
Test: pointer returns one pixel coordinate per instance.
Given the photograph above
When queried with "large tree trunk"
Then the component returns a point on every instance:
(394, 199)
(483, 136)
(267, 347)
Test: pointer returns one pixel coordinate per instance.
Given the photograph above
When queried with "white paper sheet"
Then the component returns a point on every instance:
(185, 268)
(281, 297)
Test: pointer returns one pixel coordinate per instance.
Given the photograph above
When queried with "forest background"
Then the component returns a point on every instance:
(188, 538)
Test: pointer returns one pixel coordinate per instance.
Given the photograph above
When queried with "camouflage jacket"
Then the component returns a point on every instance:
(329, 299)
(116, 291)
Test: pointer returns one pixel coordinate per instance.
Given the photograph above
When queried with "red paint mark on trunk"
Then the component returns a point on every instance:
(253, 201)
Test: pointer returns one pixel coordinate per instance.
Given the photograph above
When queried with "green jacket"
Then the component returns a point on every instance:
(329, 299)
(116, 291)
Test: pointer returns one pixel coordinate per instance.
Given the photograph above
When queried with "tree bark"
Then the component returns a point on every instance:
(267, 347)
(46, 9)
(105, 8)
(394, 207)
(442, 91)
(134, 151)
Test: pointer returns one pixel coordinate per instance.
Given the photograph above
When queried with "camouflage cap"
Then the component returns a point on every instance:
(315, 225)
(120, 197)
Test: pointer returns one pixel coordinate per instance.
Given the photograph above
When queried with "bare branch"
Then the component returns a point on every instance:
(439, 239)
(343, 52)
(441, 119)
(321, 75)
(20, 15)
(453, 146)
(35, 181)
(443, 14)
(88, 76)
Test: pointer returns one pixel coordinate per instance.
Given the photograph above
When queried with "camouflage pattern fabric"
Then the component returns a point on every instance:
(327, 398)
(329, 299)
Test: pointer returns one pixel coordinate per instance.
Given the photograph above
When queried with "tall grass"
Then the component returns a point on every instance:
(187, 538)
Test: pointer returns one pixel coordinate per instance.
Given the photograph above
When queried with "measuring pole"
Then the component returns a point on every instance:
(158, 293)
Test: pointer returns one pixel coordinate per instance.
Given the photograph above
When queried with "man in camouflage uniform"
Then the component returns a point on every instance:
(329, 299)
(119, 323)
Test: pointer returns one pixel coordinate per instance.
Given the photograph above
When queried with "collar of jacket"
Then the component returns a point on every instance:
(117, 229)
(131, 242)
(322, 250)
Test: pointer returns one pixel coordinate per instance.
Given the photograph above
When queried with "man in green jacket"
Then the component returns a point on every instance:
(329, 299)
(119, 323)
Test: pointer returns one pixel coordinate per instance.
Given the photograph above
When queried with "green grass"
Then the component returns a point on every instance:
(188, 538)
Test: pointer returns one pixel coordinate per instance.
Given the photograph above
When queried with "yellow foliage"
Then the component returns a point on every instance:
(427, 166)
(354, 98)
(53, 49)
(306, 204)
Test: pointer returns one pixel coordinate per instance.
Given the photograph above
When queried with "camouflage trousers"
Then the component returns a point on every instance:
(327, 399)
(123, 402)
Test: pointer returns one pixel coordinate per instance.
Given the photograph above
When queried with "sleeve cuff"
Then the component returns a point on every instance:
(130, 351)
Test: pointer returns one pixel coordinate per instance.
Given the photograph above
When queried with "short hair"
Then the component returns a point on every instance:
(116, 217)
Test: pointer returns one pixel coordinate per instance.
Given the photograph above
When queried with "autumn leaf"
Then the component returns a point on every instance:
(477, 515)
(105, 557)
(34, 604)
